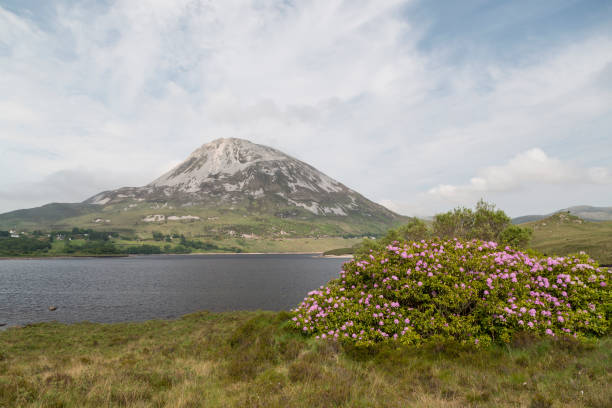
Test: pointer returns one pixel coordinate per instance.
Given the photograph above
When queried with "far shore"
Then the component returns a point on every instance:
(31, 258)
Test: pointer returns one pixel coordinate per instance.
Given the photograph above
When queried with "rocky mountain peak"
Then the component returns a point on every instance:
(236, 172)
(219, 158)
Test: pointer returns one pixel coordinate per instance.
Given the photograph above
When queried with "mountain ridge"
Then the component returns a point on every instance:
(230, 171)
(586, 212)
(223, 185)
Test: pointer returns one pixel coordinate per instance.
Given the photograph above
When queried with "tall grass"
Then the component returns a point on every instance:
(254, 359)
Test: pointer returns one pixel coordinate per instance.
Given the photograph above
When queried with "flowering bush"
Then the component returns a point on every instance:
(471, 291)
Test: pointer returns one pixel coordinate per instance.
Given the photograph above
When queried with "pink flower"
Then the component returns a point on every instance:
(419, 283)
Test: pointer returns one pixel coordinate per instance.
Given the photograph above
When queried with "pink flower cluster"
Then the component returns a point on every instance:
(467, 290)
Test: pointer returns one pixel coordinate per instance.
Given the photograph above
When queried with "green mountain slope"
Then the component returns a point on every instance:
(586, 212)
(564, 233)
(46, 216)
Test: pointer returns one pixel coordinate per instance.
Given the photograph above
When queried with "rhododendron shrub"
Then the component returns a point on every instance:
(471, 291)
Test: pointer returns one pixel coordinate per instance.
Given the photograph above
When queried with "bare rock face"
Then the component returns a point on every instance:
(227, 172)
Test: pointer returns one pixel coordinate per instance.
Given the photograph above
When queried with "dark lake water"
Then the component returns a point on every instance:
(152, 287)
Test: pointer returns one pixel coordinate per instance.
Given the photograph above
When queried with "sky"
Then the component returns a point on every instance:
(421, 106)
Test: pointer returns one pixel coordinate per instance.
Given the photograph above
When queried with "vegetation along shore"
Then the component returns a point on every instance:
(561, 234)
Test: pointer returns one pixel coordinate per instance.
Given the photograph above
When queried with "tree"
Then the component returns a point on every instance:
(22, 246)
(516, 236)
(488, 222)
(455, 223)
(363, 249)
(484, 222)
(144, 249)
(414, 230)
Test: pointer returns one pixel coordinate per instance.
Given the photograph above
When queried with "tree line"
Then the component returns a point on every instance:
(95, 244)
(484, 222)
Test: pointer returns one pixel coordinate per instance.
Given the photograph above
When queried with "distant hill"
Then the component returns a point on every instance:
(228, 188)
(527, 218)
(586, 212)
(564, 233)
(590, 213)
(45, 215)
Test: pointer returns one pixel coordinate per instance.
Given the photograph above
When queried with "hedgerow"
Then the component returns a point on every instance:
(473, 292)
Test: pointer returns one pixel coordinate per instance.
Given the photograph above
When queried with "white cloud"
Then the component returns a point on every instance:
(66, 186)
(528, 168)
(538, 182)
(344, 85)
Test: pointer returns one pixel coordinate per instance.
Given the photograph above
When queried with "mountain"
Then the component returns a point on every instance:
(586, 212)
(229, 186)
(528, 218)
(230, 172)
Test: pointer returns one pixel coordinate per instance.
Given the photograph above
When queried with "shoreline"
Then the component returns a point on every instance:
(6, 326)
(32, 258)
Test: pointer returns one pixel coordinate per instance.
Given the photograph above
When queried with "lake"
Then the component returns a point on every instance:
(155, 287)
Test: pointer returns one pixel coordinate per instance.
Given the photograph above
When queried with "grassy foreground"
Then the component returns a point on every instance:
(253, 359)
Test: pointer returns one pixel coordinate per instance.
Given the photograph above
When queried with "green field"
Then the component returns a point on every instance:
(234, 229)
(252, 359)
(562, 234)
(213, 222)
(310, 245)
